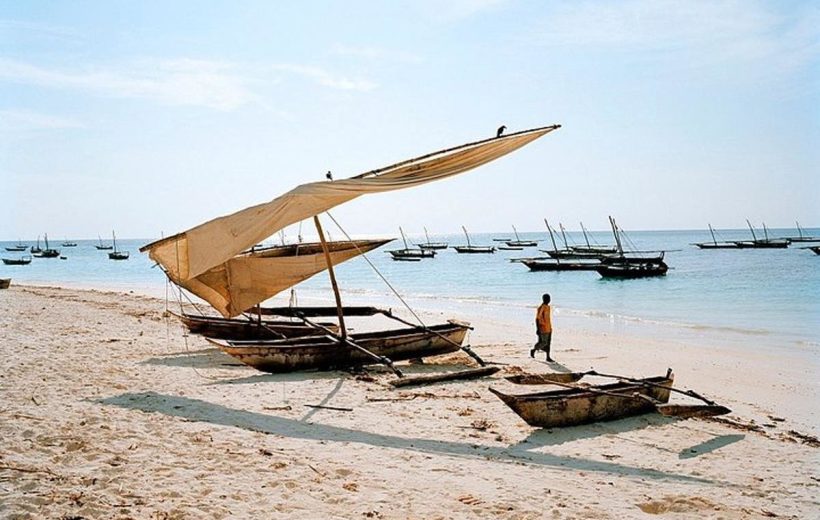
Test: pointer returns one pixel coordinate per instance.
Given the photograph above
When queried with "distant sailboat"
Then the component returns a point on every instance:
(17, 248)
(801, 237)
(714, 244)
(69, 244)
(623, 266)
(117, 254)
(410, 255)
(432, 245)
(762, 243)
(36, 249)
(555, 263)
(101, 246)
(470, 248)
(47, 252)
(520, 243)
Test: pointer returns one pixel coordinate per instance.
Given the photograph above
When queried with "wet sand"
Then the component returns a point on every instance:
(107, 410)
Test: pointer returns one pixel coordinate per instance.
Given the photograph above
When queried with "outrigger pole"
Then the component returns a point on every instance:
(343, 337)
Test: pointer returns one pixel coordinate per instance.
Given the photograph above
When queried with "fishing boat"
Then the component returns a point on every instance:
(36, 248)
(325, 353)
(637, 264)
(762, 243)
(116, 254)
(47, 252)
(814, 249)
(246, 329)
(520, 243)
(410, 254)
(23, 260)
(101, 246)
(589, 404)
(470, 248)
(556, 263)
(18, 248)
(207, 261)
(432, 245)
(69, 244)
(801, 237)
(5, 283)
(592, 249)
(714, 244)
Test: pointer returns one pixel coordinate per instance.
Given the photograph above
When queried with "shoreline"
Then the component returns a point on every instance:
(110, 411)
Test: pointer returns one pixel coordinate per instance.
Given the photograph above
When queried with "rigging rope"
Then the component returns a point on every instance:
(363, 255)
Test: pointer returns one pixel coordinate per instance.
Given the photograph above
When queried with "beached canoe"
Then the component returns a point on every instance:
(327, 353)
(584, 405)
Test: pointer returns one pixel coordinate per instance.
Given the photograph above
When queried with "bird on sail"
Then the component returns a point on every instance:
(500, 130)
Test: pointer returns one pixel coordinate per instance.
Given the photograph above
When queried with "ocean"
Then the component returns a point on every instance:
(756, 298)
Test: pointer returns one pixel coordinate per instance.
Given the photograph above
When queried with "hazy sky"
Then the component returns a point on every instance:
(154, 116)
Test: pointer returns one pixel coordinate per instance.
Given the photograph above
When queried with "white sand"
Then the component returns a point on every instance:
(106, 411)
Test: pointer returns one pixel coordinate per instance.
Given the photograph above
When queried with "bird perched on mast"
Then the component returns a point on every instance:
(500, 130)
(329, 175)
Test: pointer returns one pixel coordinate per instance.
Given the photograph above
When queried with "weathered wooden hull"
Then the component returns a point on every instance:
(16, 249)
(17, 261)
(571, 254)
(118, 256)
(324, 353)
(571, 407)
(244, 329)
(763, 244)
(522, 243)
(719, 245)
(401, 254)
(47, 253)
(433, 245)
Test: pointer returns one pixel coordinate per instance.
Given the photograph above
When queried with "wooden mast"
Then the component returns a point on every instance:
(617, 236)
(466, 235)
(754, 238)
(563, 234)
(342, 328)
(712, 231)
(552, 237)
(427, 236)
(586, 238)
(403, 239)
(517, 239)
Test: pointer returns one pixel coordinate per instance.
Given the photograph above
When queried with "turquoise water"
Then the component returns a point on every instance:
(767, 297)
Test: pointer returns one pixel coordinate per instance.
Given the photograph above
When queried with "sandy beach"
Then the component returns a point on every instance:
(110, 411)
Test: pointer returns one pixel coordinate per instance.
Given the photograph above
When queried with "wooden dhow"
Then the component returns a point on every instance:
(23, 260)
(409, 253)
(116, 254)
(714, 244)
(206, 261)
(431, 245)
(470, 248)
(558, 262)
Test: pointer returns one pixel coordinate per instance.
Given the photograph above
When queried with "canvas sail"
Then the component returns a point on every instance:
(192, 253)
(248, 279)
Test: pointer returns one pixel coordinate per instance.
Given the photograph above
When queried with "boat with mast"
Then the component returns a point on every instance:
(635, 265)
(18, 248)
(409, 254)
(47, 252)
(432, 245)
(35, 249)
(101, 246)
(116, 254)
(520, 243)
(714, 244)
(206, 261)
(556, 263)
(470, 248)
(590, 249)
(576, 252)
(801, 237)
(69, 244)
(762, 243)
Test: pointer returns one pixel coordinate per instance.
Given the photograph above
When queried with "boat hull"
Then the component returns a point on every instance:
(631, 270)
(546, 265)
(412, 253)
(571, 407)
(728, 245)
(243, 329)
(433, 245)
(474, 249)
(17, 261)
(4, 283)
(324, 353)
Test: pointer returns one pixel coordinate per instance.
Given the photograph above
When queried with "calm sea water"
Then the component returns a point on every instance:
(756, 297)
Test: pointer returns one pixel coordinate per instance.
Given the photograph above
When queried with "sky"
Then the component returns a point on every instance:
(152, 117)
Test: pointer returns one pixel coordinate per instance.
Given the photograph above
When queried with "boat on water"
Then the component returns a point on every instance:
(116, 254)
(714, 244)
(409, 253)
(5, 283)
(101, 246)
(762, 243)
(207, 261)
(470, 248)
(589, 404)
(814, 249)
(432, 245)
(17, 248)
(69, 244)
(636, 264)
(47, 252)
(559, 263)
(593, 249)
(23, 260)
(801, 237)
(520, 243)
(35, 248)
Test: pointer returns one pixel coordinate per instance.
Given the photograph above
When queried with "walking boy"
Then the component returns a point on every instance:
(543, 327)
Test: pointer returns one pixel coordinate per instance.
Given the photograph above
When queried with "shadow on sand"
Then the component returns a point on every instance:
(203, 411)
(710, 446)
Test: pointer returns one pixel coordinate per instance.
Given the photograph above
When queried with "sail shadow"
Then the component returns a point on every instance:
(710, 445)
(206, 358)
(543, 437)
(203, 411)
